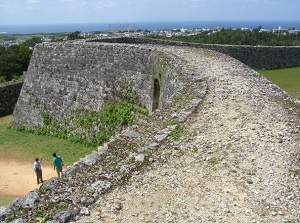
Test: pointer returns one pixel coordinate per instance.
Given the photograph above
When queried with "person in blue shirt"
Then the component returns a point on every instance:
(38, 170)
(58, 164)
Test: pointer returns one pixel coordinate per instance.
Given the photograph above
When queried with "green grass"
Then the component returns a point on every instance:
(6, 199)
(26, 146)
(287, 79)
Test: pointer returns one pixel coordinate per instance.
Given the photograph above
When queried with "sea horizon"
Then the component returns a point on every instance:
(90, 27)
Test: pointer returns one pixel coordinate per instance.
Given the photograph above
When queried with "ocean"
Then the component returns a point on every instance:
(88, 27)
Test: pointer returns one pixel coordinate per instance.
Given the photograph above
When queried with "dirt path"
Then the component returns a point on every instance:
(18, 178)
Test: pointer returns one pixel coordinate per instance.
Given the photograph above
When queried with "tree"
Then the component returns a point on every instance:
(74, 35)
(14, 60)
(32, 41)
(239, 37)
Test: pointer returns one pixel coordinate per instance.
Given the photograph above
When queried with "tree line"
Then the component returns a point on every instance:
(239, 37)
(14, 60)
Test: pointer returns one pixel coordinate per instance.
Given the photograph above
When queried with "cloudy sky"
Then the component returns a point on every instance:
(20, 12)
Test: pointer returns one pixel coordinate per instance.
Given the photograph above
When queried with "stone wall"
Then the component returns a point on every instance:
(63, 77)
(257, 57)
(212, 87)
(9, 93)
(127, 152)
(86, 57)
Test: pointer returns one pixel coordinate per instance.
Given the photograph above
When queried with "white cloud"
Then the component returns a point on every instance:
(270, 2)
(193, 3)
(8, 7)
(247, 1)
(107, 4)
(33, 4)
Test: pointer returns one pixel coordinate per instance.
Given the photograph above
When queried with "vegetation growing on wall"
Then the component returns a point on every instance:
(177, 131)
(94, 128)
(160, 70)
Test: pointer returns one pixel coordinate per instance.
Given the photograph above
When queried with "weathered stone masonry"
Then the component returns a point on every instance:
(79, 76)
(257, 57)
(129, 150)
(203, 79)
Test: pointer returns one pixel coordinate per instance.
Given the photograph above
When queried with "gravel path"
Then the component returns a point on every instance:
(236, 161)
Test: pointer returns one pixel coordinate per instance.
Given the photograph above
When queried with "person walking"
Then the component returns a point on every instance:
(58, 164)
(38, 170)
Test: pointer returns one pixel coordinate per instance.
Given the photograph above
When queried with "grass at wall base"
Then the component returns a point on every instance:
(25, 146)
(287, 79)
(4, 200)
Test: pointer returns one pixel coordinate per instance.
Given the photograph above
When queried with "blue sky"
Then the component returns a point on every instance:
(20, 12)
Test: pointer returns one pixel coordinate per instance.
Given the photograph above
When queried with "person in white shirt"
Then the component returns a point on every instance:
(38, 170)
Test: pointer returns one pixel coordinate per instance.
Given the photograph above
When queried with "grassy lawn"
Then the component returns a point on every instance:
(23, 146)
(287, 79)
(4, 200)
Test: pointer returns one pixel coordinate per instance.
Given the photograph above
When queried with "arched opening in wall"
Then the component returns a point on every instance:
(156, 94)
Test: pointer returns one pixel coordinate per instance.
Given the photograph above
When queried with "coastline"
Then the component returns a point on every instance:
(90, 27)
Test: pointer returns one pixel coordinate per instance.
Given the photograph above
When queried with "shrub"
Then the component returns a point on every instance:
(91, 127)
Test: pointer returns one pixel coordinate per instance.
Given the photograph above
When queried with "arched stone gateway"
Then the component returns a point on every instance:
(156, 95)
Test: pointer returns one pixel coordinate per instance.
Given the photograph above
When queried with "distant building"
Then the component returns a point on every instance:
(280, 29)
(45, 39)
(294, 31)
(244, 29)
(264, 30)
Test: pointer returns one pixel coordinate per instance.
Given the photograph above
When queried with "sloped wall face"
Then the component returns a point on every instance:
(79, 76)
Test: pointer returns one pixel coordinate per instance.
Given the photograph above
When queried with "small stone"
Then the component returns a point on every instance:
(249, 181)
(85, 211)
(117, 206)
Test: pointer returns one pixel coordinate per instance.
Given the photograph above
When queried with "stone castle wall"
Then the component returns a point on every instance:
(257, 57)
(66, 75)
(63, 77)
(9, 93)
